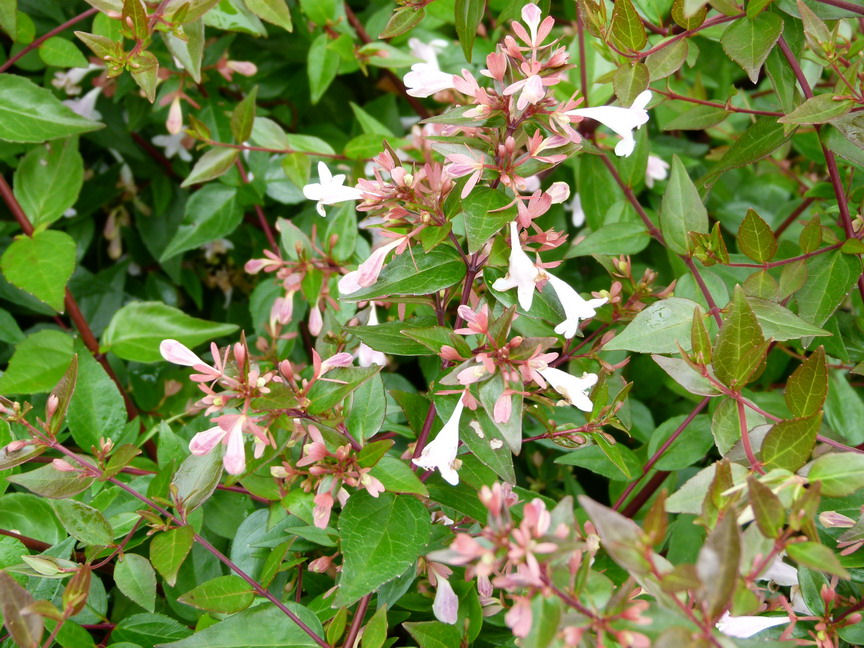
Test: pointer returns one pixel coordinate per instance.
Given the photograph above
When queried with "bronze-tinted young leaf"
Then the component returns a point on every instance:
(815, 31)
(767, 508)
(756, 239)
(243, 117)
(789, 443)
(467, 16)
(145, 70)
(818, 110)
(710, 248)
(49, 482)
(621, 537)
(135, 18)
(716, 500)
(699, 340)
(718, 562)
(807, 387)
(628, 32)
(656, 521)
(629, 81)
(76, 591)
(24, 626)
(740, 344)
(63, 393)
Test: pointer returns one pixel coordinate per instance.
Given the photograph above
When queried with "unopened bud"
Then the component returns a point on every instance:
(51, 406)
(63, 466)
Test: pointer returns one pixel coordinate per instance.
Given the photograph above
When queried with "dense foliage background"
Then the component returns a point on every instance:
(533, 325)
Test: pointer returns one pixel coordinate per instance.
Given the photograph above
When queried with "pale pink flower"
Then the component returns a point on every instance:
(461, 165)
(366, 355)
(178, 353)
(445, 607)
(518, 617)
(531, 89)
(558, 192)
(656, 169)
(440, 453)
(343, 359)
(503, 408)
(86, 105)
(367, 272)
(228, 431)
(623, 121)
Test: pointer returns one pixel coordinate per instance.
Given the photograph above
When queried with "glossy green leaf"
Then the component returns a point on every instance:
(467, 15)
(807, 387)
(61, 52)
(417, 274)
(49, 482)
(275, 12)
(682, 210)
(748, 41)
(83, 522)
(612, 239)
(840, 473)
(41, 265)
(818, 110)
(322, 65)
(739, 344)
(779, 323)
(227, 594)
(789, 443)
(486, 212)
(660, 328)
(768, 510)
(756, 239)
(137, 329)
(381, 538)
(817, 556)
(209, 166)
(29, 113)
(134, 576)
(38, 363)
(96, 410)
(829, 279)
(212, 211)
(627, 32)
(169, 549)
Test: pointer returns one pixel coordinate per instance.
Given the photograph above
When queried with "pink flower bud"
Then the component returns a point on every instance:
(246, 68)
(63, 466)
(179, 354)
(316, 321)
(174, 123)
(51, 406)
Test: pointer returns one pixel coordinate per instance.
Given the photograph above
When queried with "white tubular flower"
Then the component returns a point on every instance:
(780, 572)
(440, 454)
(743, 627)
(656, 169)
(575, 307)
(521, 273)
(86, 105)
(531, 16)
(427, 52)
(574, 389)
(366, 355)
(367, 272)
(623, 121)
(172, 145)
(445, 607)
(330, 189)
(69, 80)
(425, 79)
(577, 213)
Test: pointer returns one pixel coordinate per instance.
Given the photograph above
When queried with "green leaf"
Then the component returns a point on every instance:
(41, 265)
(817, 556)
(682, 210)
(322, 65)
(275, 12)
(718, 563)
(779, 323)
(243, 116)
(660, 328)
(144, 69)
(30, 114)
(375, 630)
(511, 430)
(137, 329)
(818, 110)
(615, 462)
(9, 17)
(397, 337)
(381, 538)
(434, 634)
(807, 387)
(147, 630)
(197, 478)
(368, 408)
(844, 410)
(629, 81)
(212, 212)
(226, 594)
(667, 61)
(840, 473)
(61, 52)
(748, 41)
(96, 409)
(319, 11)
(829, 278)
(612, 239)
(738, 350)
(212, 164)
(767, 508)
(48, 180)
(627, 31)
(760, 140)
(49, 482)
(403, 20)
(690, 446)
(190, 52)
(415, 274)
(264, 626)
(486, 441)
(484, 215)
(466, 17)
(326, 394)
(756, 239)
(621, 537)
(398, 477)
(169, 549)
(83, 522)
(134, 576)
(789, 443)
(37, 364)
